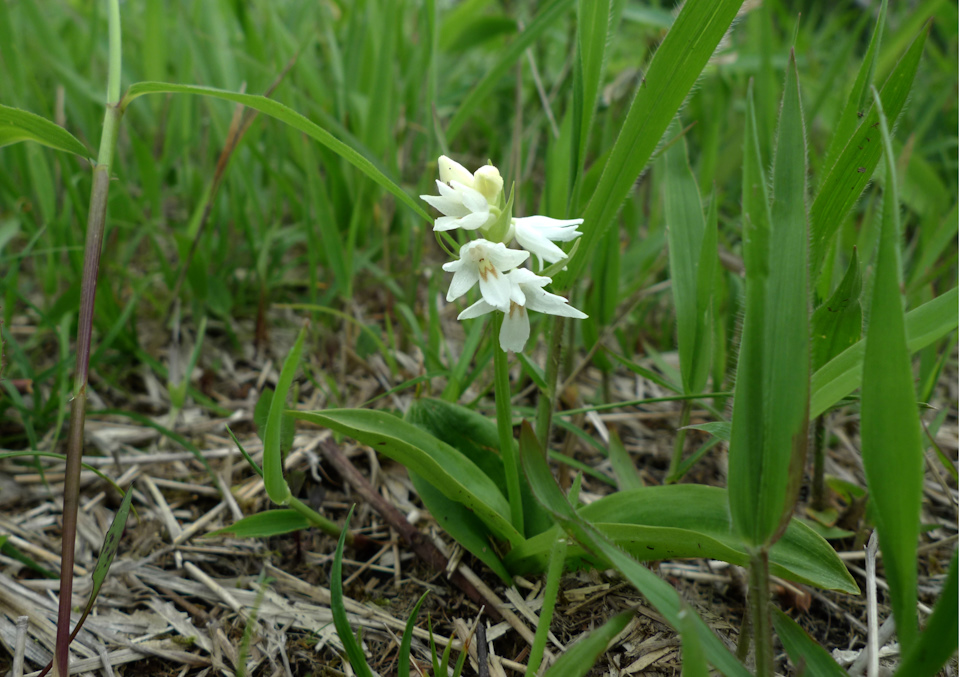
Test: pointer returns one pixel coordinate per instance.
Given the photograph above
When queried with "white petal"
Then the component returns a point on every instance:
(472, 199)
(449, 170)
(446, 223)
(526, 276)
(464, 279)
(535, 242)
(552, 229)
(515, 330)
(496, 291)
(544, 302)
(504, 258)
(477, 309)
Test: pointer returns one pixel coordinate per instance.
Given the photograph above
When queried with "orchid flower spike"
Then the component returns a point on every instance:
(515, 325)
(468, 201)
(537, 233)
(486, 263)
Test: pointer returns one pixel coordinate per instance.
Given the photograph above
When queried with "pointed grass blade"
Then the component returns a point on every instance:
(678, 62)
(287, 115)
(892, 452)
(770, 421)
(273, 476)
(852, 170)
(265, 524)
(837, 323)
(579, 658)
(355, 654)
(802, 649)
(404, 653)
(686, 232)
(19, 125)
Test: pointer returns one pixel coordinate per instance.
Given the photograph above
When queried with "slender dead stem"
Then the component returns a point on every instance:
(97, 213)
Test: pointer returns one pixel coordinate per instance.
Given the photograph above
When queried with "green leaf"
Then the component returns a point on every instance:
(853, 169)
(658, 592)
(802, 649)
(592, 32)
(690, 520)
(580, 657)
(273, 476)
(346, 633)
(939, 640)
(843, 374)
(686, 235)
(769, 432)
(476, 437)
(508, 56)
(626, 473)
(19, 125)
(692, 658)
(837, 323)
(849, 118)
(678, 62)
(892, 451)
(403, 662)
(109, 548)
(441, 464)
(289, 116)
(265, 524)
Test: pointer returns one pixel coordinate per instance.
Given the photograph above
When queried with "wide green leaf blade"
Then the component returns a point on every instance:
(265, 524)
(892, 452)
(802, 649)
(939, 640)
(657, 591)
(592, 31)
(440, 464)
(852, 171)
(690, 520)
(579, 658)
(928, 323)
(289, 116)
(770, 419)
(19, 125)
(675, 67)
(686, 227)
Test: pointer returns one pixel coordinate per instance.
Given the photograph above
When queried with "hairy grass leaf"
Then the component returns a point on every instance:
(837, 323)
(852, 170)
(770, 417)
(892, 450)
(674, 69)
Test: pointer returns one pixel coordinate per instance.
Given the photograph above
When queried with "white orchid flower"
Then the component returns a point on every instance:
(462, 206)
(486, 263)
(486, 180)
(536, 234)
(515, 325)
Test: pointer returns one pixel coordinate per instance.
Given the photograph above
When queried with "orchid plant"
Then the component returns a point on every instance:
(477, 202)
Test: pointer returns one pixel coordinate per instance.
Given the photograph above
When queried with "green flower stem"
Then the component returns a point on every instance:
(547, 398)
(817, 500)
(557, 560)
(503, 408)
(97, 213)
(759, 595)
